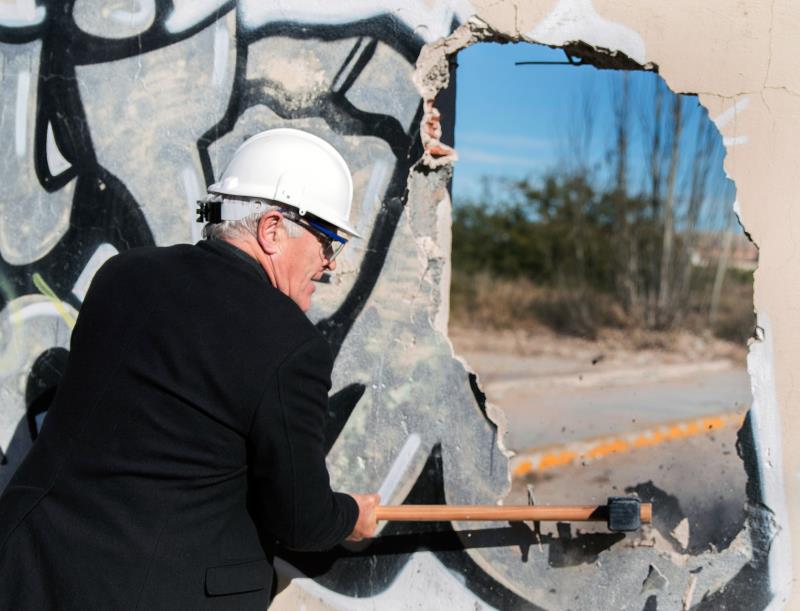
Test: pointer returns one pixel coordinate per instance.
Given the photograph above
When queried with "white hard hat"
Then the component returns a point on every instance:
(295, 168)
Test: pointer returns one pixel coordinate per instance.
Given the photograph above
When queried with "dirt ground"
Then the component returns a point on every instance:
(613, 347)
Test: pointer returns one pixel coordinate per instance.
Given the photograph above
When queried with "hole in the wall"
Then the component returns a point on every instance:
(616, 364)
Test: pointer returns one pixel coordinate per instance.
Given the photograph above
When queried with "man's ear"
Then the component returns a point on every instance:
(269, 238)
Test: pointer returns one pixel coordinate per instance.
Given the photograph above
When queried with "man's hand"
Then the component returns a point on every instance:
(366, 524)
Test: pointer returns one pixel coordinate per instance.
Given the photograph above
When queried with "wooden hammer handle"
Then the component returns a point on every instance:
(506, 513)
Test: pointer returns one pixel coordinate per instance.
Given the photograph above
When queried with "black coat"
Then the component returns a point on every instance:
(186, 436)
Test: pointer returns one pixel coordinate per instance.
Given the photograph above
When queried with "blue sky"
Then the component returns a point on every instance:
(514, 121)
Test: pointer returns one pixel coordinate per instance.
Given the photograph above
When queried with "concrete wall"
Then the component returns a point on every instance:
(115, 116)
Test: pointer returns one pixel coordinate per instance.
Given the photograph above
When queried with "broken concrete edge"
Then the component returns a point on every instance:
(764, 427)
(434, 64)
(431, 76)
(740, 553)
(762, 453)
(434, 254)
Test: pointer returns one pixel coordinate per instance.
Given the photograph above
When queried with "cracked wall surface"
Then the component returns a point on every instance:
(117, 114)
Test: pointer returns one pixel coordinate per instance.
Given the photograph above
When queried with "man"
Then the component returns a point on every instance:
(186, 436)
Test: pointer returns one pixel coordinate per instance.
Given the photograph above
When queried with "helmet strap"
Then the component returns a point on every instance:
(209, 211)
(215, 210)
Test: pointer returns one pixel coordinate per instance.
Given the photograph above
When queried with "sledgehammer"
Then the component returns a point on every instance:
(622, 513)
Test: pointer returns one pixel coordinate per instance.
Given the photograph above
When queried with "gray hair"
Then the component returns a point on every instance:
(248, 226)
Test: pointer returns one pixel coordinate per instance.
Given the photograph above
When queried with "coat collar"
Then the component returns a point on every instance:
(229, 250)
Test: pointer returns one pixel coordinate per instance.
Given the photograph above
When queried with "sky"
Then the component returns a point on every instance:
(516, 121)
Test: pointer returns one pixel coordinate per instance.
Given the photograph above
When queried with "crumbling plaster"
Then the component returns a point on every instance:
(741, 60)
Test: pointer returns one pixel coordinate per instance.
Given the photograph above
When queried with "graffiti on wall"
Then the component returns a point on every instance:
(121, 113)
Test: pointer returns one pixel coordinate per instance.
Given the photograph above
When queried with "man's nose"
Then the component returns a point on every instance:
(331, 265)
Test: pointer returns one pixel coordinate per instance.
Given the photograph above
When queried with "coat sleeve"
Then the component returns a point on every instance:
(290, 491)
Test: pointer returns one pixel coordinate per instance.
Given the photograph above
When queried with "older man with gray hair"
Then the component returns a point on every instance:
(186, 437)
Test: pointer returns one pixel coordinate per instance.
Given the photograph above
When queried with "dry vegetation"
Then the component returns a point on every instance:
(591, 249)
(518, 310)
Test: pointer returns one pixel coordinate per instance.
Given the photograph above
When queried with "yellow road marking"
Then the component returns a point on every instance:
(589, 450)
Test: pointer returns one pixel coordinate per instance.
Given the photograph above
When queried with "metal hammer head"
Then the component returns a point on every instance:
(624, 513)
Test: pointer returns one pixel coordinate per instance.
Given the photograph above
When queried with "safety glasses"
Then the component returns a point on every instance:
(332, 242)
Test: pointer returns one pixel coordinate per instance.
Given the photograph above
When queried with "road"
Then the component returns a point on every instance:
(549, 401)
(580, 425)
